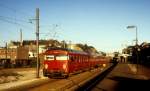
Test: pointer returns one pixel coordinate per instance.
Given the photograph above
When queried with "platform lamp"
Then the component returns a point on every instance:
(134, 27)
(136, 43)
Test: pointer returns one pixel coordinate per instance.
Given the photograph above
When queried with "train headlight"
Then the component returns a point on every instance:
(64, 66)
(104, 65)
(46, 66)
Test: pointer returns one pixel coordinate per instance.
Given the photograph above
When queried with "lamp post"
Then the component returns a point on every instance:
(136, 44)
(136, 39)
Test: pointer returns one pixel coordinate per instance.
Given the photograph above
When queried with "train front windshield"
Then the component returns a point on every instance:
(49, 57)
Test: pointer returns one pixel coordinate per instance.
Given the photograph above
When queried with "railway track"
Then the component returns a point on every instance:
(81, 82)
(74, 82)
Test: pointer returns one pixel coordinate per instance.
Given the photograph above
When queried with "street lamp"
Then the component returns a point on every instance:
(136, 43)
(136, 39)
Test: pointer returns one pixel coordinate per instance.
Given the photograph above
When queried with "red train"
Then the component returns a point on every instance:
(62, 62)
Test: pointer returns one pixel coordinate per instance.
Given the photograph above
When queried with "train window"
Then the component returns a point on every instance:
(62, 57)
(79, 58)
(71, 58)
(76, 58)
(49, 57)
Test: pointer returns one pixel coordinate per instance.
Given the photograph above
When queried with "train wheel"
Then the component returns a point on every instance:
(50, 77)
(66, 76)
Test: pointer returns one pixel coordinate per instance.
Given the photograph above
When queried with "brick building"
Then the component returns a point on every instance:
(11, 56)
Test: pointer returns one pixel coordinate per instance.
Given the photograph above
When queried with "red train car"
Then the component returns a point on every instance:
(61, 62)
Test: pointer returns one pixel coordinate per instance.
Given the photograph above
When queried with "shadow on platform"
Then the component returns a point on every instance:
(130, 84)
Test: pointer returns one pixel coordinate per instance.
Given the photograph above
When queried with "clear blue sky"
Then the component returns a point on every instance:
(100, 23)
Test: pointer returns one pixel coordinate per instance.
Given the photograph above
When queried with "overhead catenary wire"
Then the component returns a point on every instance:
(52, 32)
(23, 22)
(14, 10)
(14, 19)
(15, 23)
(29, 20)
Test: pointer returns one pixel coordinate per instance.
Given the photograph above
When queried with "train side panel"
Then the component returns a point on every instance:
(64, 62)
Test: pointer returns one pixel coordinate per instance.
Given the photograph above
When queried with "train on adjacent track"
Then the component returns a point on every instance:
(60, 62)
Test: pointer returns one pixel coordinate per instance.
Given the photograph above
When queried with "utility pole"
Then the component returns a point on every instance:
(6, 51)
(37, 41)
(21, 42)
(6, 61)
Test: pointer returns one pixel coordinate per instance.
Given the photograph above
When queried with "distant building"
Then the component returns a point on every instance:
(13, 57)
(22, 53)
(14, 53)
(9, 53)
(26, 51)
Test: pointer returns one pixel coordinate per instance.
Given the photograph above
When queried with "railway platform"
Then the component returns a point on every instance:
(125, 77)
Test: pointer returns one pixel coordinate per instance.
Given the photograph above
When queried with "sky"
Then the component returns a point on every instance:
(98, 23)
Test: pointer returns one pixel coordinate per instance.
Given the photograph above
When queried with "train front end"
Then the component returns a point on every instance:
(56, 63)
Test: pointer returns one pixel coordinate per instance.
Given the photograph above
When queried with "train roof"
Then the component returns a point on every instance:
(69, 50)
